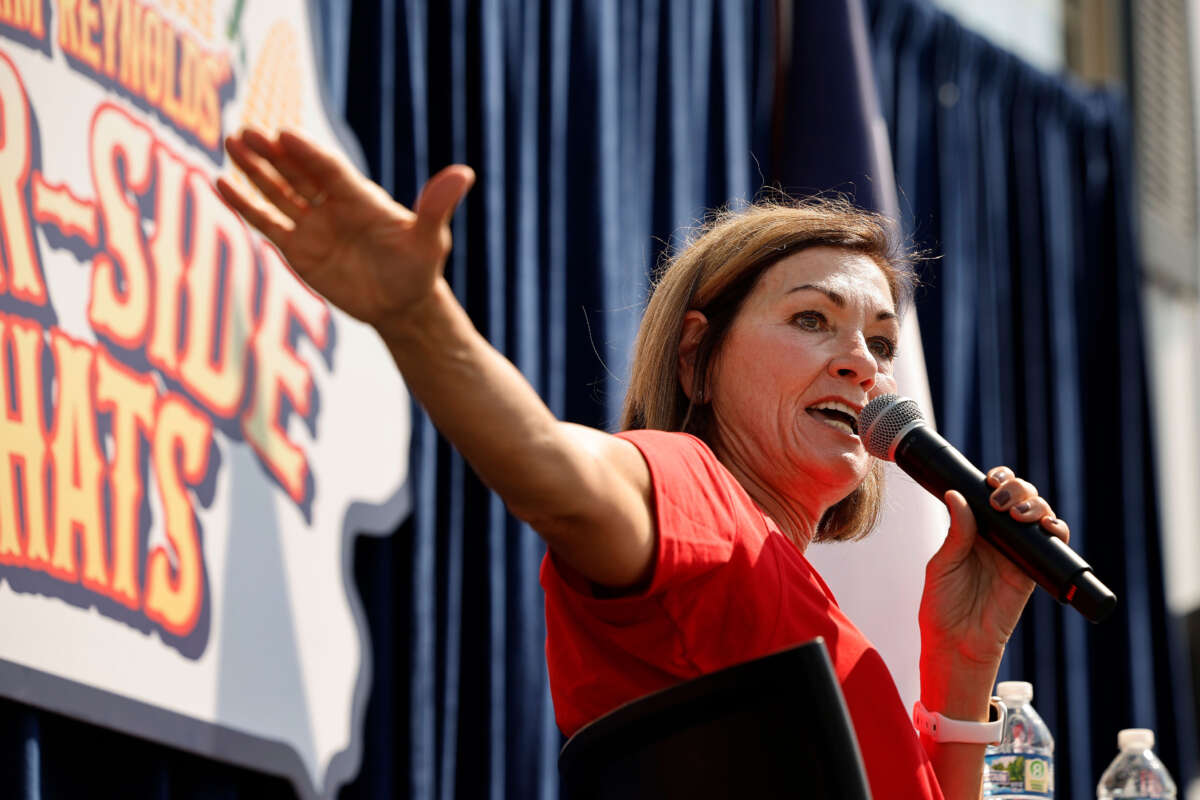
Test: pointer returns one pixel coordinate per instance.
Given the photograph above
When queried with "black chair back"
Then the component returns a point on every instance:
(773, 727)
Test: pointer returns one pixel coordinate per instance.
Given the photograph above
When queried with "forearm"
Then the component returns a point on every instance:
(482, 404)
(958, 690)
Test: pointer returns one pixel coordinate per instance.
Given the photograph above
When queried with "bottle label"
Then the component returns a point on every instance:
(1017, 775)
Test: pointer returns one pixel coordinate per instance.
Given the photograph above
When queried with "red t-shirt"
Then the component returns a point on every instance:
(728, 587)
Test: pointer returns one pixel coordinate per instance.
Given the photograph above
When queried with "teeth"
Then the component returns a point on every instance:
(837, 423)
(834, 405)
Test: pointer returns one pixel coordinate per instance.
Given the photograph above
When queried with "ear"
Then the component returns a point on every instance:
(695, 325)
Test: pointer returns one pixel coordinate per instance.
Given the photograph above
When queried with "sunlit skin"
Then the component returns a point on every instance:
(816, 328)
(820, 325)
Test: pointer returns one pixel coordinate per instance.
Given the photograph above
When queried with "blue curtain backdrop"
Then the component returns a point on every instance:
(597, 130)
(600, 130)
(1033, 336)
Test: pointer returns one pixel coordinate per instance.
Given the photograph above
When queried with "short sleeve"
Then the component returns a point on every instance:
(602, 651)
(696, 506)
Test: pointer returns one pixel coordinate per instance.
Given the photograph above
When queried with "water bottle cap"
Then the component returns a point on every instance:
(1015, 691)
(1135, 738)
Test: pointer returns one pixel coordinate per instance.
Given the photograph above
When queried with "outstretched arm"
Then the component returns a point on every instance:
(586, 492)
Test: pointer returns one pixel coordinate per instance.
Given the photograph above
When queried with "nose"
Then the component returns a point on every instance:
(854, 361)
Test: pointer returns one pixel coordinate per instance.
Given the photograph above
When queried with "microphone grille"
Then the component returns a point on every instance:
(884, 420)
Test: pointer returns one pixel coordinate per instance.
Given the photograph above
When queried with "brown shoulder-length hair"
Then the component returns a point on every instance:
(713, 273)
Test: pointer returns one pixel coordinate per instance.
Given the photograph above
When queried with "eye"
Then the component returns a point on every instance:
(811, 321)
(883, 347)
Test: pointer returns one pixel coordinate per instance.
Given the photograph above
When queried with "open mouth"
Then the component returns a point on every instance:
(836, 415)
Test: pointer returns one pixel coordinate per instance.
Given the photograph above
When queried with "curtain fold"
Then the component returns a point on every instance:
(1020, 182)
(600, 132)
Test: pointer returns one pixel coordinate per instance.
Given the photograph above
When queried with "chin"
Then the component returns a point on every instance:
(851, 468)
(843, 477)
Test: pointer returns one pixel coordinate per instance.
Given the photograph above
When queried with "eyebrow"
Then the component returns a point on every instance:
(837, 299)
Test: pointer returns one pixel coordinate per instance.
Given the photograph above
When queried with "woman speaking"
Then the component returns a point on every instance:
(676, 547)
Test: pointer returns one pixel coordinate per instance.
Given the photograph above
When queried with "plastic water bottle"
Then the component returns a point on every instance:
(1022, 765)
(1136, 772)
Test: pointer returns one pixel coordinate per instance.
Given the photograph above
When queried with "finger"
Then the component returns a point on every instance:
(271, 222)
(441, 197)
(1059, 528)
(316, 164)
(961, 536)
(998, 475)
(265, 178)
(272, 150)
(1031, 510)
(1012, 491)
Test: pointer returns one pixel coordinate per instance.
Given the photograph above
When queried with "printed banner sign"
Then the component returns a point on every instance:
(189, 438)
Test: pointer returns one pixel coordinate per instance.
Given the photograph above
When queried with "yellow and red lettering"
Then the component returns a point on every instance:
(218, 326)
(26, 15)
(131, 45)
(57, 205)
(24, 280)
(22, 442)
(110, 11)
(120, 314)
(278, 371)
(213, 74)
(154, 72)
(166, 251)
(135, 44)
(29, 14)
(68, 26)
(130, 398)
(182, 438)
(189, 61)
(170, 97)
(89, 23)
(78, 467)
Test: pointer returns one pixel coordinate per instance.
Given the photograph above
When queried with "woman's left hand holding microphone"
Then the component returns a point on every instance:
(974, 596)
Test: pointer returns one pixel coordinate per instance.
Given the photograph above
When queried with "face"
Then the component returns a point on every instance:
(814, 341)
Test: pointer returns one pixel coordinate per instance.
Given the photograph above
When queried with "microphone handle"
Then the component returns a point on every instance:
(938, 466)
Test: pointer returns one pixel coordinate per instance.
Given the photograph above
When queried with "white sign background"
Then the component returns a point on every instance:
(275, 674)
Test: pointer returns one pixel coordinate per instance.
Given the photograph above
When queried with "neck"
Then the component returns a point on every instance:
(798, 521)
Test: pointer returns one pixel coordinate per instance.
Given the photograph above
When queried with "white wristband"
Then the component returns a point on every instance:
(944, 729)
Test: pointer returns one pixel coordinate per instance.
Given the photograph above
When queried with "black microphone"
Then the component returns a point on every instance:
(893, 428)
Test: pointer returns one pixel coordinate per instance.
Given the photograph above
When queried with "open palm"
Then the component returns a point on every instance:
(341, 233)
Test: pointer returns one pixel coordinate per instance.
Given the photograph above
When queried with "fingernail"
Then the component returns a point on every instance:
(1023, 507)
(1001, 476)
(1050, 520)
(1001, 498)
